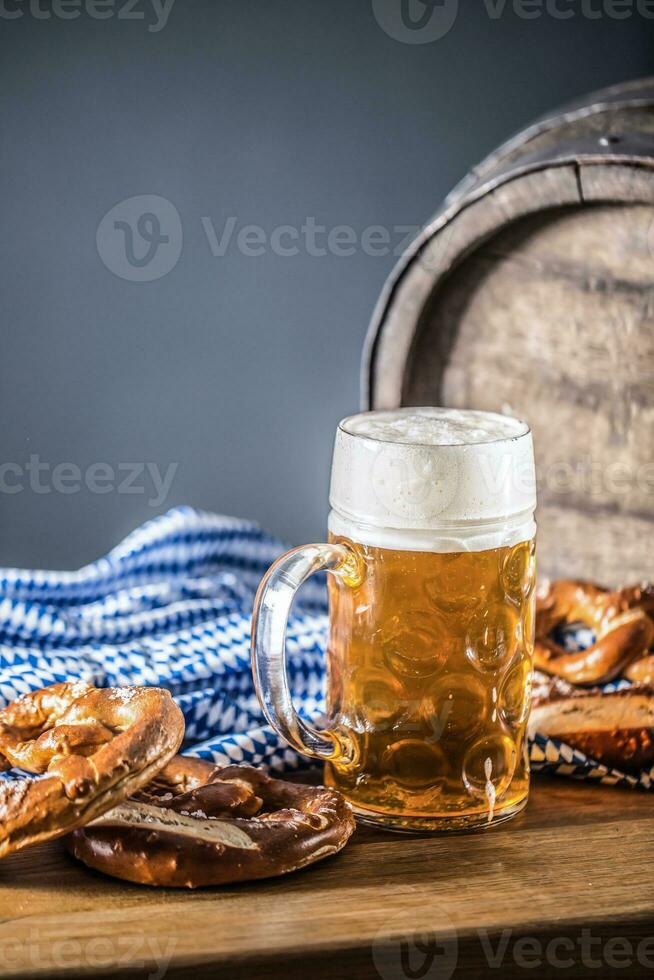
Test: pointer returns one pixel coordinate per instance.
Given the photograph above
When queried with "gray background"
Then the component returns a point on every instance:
(236, 368)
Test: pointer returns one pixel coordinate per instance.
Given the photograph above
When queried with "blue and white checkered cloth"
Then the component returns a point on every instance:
(171, 607)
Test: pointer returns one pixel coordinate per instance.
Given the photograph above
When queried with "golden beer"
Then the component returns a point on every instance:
(431, 619)
(429, 668)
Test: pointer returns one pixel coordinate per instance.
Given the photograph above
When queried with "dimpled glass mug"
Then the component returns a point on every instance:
(431, 612)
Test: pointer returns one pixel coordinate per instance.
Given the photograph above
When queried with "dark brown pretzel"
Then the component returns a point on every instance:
(624, 630)
(95, 747)
(199, 825)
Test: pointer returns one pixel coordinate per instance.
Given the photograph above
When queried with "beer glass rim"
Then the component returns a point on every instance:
(523, 428)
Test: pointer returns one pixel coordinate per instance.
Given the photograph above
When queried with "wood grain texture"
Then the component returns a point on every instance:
(560, 330)
(532, 292)
(579, 858)
(443, 249)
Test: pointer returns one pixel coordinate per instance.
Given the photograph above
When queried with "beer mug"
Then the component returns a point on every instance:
(431, 566)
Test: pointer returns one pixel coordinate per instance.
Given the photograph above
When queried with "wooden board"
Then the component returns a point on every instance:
(573, 871)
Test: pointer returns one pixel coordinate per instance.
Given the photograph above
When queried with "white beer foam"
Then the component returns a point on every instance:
(435, 427)
(433, 479)
(444, 541)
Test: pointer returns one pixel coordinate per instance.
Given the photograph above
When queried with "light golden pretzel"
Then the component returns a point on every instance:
(624, 631)
(615, 728)
(636, 597)
(94, 746)
(200, 825)
(641, 671)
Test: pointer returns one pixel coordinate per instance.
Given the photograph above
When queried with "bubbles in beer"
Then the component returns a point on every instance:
(412, 645)
(381, 701)
(492, 637)
(529, 623)
(490, 759)
(517, 575)
(515, 694)
(456, 707)
(434, 695)
(415, 765)
(451, 591)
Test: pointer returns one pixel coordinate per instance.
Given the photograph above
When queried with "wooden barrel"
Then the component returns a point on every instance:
(532, 292)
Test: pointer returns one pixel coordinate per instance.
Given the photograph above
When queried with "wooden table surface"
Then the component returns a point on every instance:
(566, 889)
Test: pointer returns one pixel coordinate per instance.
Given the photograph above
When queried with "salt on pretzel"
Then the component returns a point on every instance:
(624, 631)
(93, 747)
(199, 825)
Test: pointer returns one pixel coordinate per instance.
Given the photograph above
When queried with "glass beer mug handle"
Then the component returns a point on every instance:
(271, 610)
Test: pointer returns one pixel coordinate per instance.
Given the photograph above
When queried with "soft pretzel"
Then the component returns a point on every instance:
(615, 728)
(624, 631)
(94, 746)
(641, 671)
(200, 825)
(636, 597)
